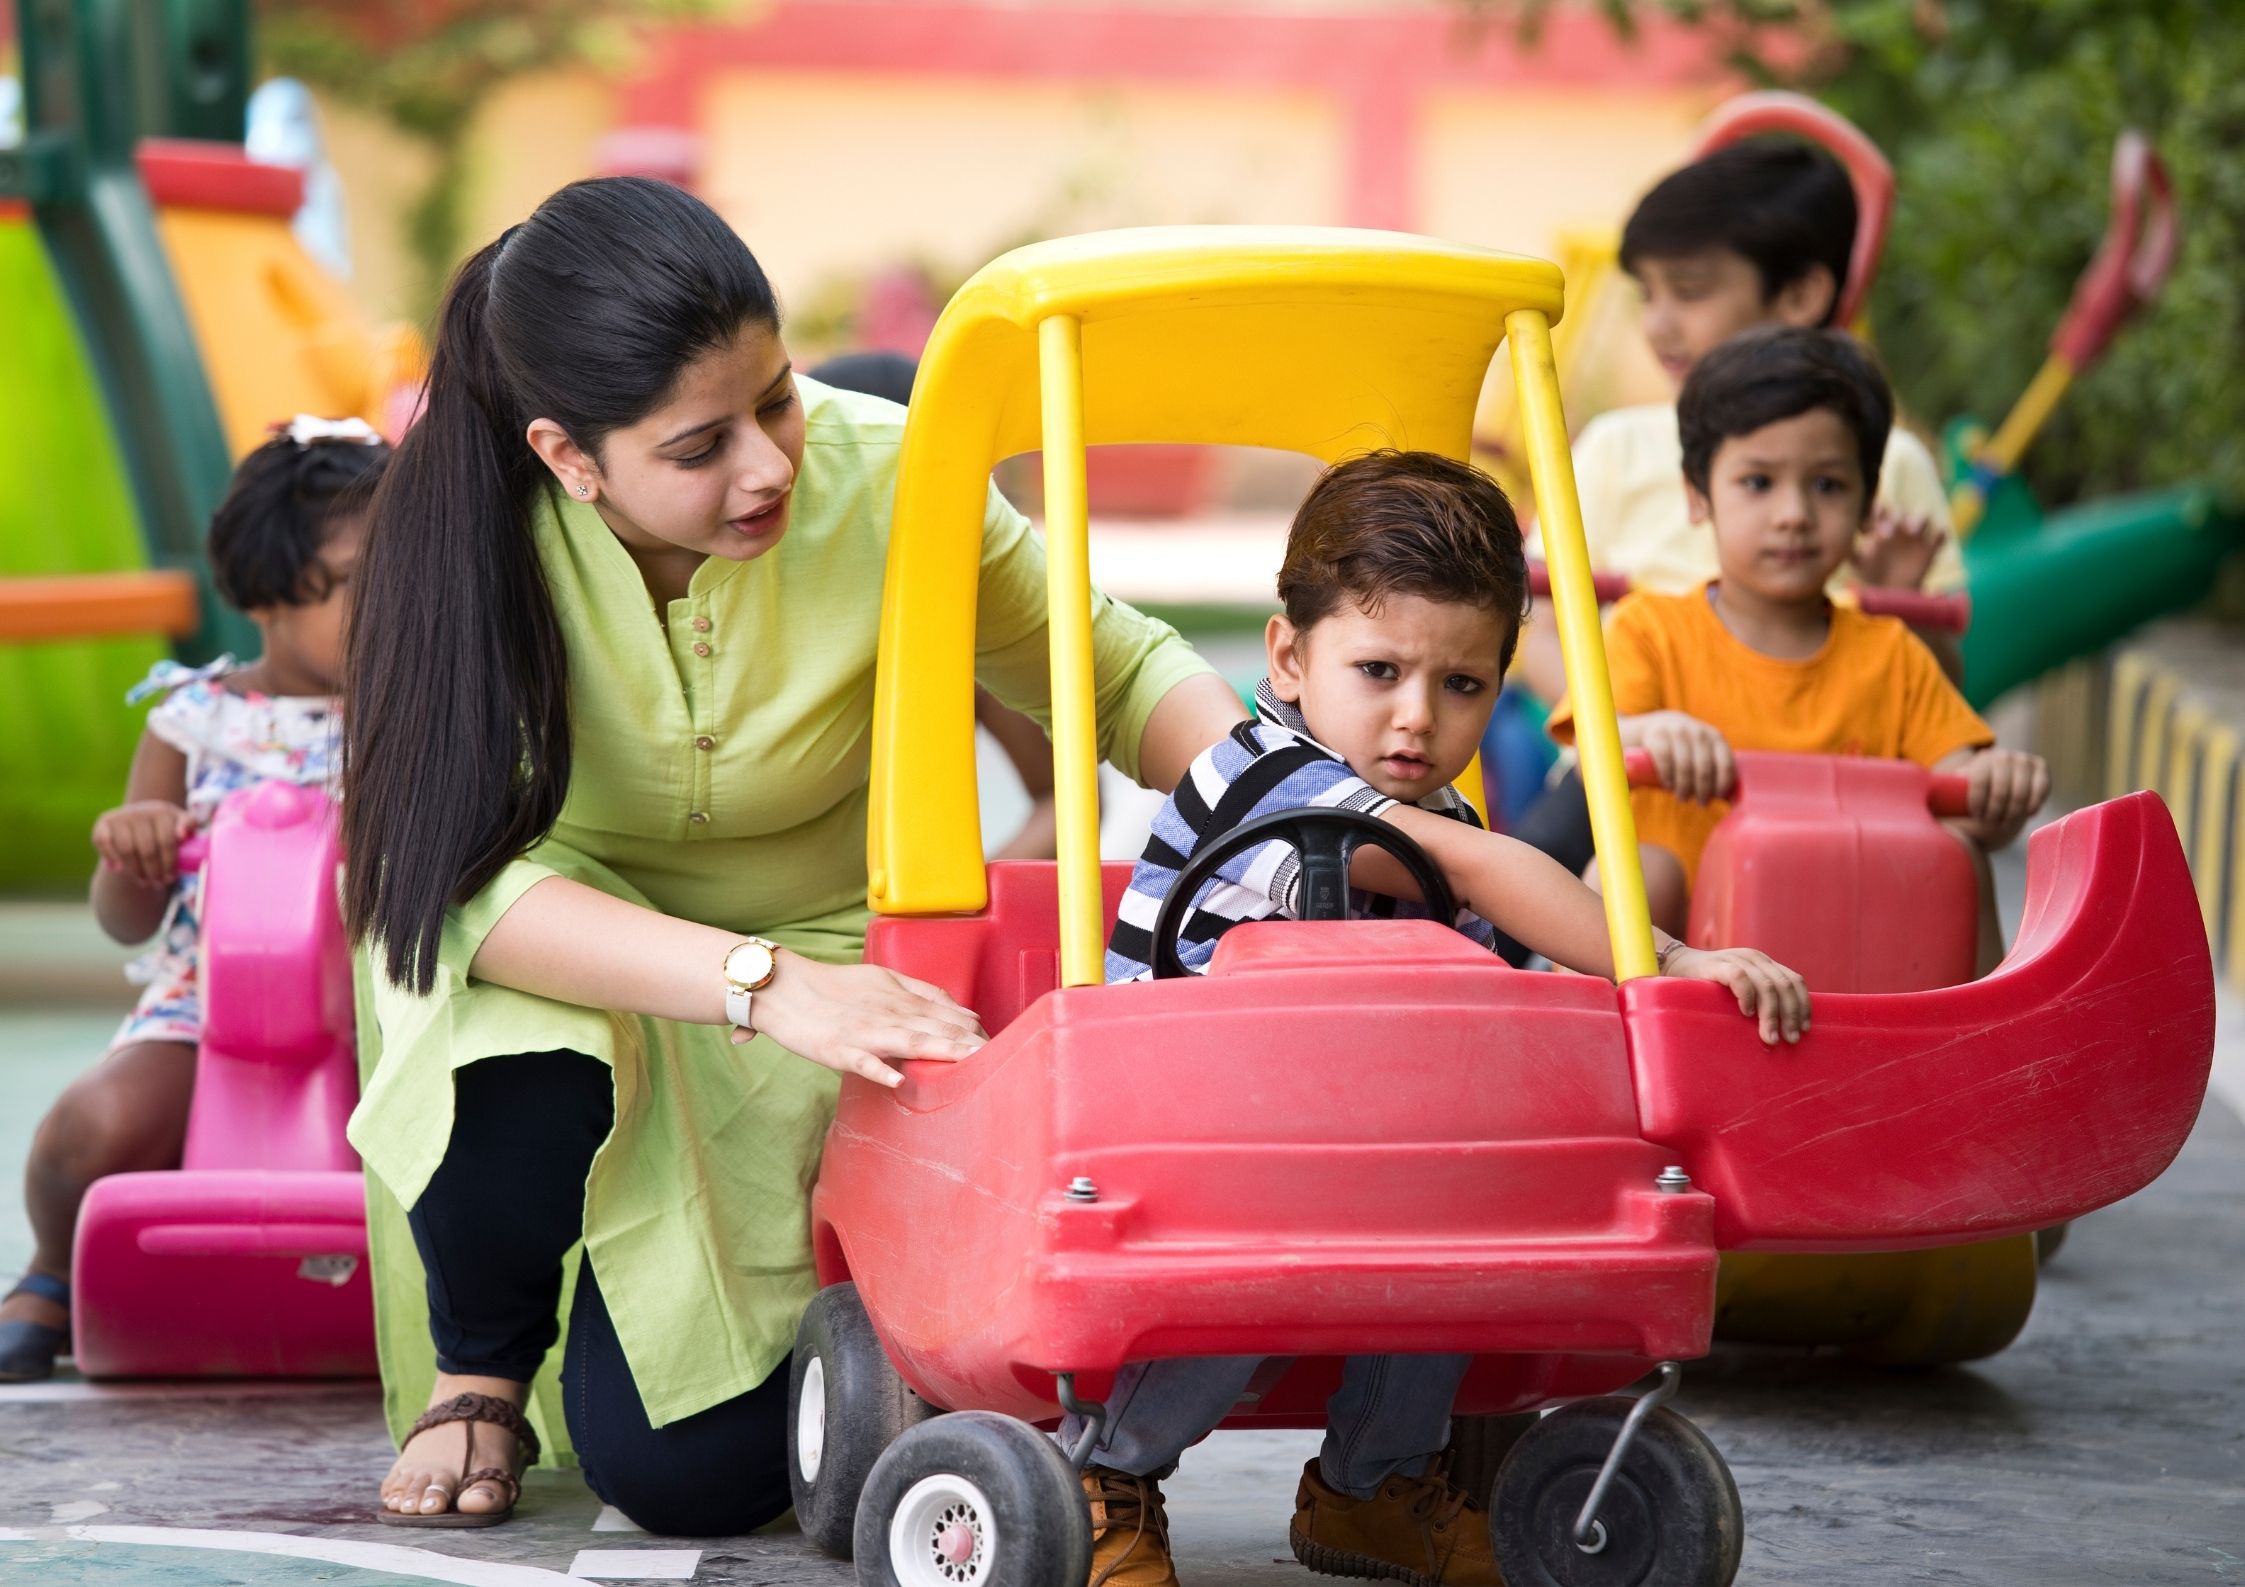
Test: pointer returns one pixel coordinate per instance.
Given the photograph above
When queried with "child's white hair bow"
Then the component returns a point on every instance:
(307, 428)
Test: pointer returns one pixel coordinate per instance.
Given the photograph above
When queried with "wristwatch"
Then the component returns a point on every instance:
(749, 967)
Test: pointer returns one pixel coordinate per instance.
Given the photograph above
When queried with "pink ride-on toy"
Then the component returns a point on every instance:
(249, 1259)
(1541, 1170)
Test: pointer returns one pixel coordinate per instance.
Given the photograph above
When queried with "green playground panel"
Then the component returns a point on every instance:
(66, 735)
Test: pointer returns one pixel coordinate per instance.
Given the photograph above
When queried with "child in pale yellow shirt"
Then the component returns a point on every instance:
(1758, 233)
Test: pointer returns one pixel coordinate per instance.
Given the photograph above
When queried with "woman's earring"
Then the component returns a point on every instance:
(584, 491)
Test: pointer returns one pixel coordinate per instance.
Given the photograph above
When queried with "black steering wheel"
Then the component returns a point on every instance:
(1326, 839)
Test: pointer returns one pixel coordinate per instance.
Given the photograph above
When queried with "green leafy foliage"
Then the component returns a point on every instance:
(2000, 118)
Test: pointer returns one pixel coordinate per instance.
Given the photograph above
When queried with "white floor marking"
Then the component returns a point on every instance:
(611, 1519)
(420, 1564)
(68, 1389)
(76, 1510)
(636, 1564)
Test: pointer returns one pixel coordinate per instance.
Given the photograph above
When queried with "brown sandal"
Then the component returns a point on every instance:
(473, 1408)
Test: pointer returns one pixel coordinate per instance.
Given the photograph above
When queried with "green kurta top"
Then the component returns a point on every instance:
(720, 775)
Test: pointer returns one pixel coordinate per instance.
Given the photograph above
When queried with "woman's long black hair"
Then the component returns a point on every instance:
(456, 720)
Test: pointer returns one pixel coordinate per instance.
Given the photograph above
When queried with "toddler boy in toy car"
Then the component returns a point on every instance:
(1783, 434)
(1404, 585)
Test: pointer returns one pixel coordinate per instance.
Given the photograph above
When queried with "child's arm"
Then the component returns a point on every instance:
(139, 843)
(1530, 897)
(1694, 759)
(2008, 786)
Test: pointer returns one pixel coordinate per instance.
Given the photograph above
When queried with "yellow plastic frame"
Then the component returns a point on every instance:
(1324, 341)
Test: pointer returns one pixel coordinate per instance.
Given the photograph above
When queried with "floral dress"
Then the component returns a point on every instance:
(231, 741)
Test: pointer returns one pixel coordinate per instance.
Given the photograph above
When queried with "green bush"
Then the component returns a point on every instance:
(2000, 118)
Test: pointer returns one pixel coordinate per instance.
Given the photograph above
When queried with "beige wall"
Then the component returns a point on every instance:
(832, 176)
(841, 174)
(383, 173)
(1517, 170)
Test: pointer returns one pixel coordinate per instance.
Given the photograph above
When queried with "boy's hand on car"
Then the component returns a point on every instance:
(2006, 786)
(1777, 998)
(141, 840)
(1694, 760)
(1895, 551)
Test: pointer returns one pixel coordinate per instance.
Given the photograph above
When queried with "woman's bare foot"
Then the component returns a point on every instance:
(431, 1464)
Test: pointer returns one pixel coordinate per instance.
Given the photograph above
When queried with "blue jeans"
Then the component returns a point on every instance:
(1390, 1415)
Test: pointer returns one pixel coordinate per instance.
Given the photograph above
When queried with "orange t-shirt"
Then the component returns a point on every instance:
(1873, 689)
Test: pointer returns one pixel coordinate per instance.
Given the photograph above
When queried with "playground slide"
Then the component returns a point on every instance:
(66, 738)
(2046, 589)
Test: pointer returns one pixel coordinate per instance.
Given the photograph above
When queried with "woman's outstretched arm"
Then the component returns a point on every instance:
(577, 944)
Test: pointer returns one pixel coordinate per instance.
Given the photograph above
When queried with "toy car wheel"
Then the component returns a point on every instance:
(973, 1499)
(1670, 1518)
(845, 1404)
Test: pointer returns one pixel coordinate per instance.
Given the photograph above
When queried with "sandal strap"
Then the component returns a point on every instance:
(505, 1479)
(481, 1408)
(45, 1286)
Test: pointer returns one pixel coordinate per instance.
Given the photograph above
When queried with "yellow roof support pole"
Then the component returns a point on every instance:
(1075, 743)
(1597, 738)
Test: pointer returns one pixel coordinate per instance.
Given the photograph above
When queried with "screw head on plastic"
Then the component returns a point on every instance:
(1673, 1180)
(1081, 1188)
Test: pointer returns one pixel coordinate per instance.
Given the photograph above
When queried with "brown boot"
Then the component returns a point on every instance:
(1418, 1530)
(1129, 1530)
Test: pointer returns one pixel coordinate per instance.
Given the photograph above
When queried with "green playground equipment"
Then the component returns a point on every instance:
(112, 442)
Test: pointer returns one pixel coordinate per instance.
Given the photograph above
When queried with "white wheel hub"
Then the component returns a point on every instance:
(942, 1534)
(810, 1420)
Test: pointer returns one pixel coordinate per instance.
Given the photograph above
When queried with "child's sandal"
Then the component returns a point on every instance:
(28, 1349)
(473, 1408)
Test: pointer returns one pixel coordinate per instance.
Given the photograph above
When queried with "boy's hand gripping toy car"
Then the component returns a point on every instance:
(1540, 1169)
(249, 1259)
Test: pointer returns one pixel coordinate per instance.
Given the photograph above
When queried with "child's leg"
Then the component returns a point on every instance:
(128, 1112)
(1389, 1417)
(1990, 951)
(1667, 892)
(1159, 1409)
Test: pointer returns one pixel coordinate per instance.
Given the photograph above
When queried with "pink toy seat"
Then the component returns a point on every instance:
(250, 1258)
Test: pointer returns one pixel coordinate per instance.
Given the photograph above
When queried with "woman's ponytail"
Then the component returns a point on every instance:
(456, 717)
(456, 721)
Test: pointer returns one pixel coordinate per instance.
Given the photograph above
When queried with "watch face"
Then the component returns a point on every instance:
(749, 965)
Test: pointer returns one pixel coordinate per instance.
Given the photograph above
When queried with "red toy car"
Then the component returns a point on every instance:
(1544, 1168)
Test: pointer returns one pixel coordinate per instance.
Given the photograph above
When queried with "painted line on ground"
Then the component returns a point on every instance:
(422, 1564)
(69, 1389)
(636, 1564)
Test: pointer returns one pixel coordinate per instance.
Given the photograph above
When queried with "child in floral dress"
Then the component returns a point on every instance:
(282, 545)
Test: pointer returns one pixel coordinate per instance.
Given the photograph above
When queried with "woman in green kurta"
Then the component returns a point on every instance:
(609, 717)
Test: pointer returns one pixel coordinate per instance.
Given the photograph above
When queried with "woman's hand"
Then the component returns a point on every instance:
(141, 840)
(858, 1019)
(1765, 989)
(1694, 760)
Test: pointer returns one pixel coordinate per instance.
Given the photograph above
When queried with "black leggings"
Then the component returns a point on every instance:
(1558, 823)
(493, 1226)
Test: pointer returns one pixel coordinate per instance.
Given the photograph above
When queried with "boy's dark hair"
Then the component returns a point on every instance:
(285, 500)
(1782, 205)
(1780, 372)
(1404, 523)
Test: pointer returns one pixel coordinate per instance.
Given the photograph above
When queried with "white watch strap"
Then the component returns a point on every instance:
(737, 1007)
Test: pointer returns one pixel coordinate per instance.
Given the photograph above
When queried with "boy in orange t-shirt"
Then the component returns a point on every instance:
(1783, 433)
